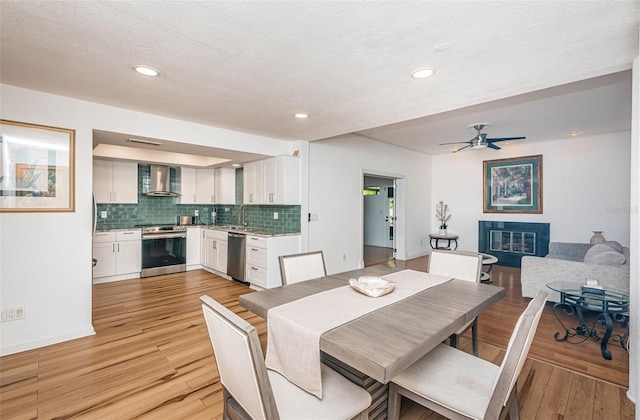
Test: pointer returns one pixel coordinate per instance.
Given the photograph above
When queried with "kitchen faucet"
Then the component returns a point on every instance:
(241, 221)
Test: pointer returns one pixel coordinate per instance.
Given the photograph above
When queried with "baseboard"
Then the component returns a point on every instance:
(5, 351)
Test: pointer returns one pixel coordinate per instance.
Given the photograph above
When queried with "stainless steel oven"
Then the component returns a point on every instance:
(164, 250)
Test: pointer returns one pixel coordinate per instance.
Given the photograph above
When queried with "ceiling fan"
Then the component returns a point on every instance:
(481, 141)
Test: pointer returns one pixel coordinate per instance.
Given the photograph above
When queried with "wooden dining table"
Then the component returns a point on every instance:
(372, 349)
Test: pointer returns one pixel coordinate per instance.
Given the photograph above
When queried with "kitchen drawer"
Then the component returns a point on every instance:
(257, 256)
(104, 237)
(216, 234)
(128, 235)
(256, 241)
(256, 275)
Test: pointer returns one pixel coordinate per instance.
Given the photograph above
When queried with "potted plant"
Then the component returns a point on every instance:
(442, 214)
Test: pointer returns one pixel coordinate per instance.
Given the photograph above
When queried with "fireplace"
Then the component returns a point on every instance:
(510, 241)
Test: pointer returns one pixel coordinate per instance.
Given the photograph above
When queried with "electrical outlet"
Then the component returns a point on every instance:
(196, 213)
(12, 314)
(275, 215)
(103, 214)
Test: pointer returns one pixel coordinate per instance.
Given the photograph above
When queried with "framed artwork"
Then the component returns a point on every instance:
(37, 168)
(513, 185)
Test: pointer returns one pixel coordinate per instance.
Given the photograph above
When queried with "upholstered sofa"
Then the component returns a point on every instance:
(607, 263)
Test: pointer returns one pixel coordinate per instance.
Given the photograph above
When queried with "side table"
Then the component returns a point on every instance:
(489, 260)
(434, 241)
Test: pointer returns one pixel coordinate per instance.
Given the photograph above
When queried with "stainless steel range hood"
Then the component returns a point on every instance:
(160, 182)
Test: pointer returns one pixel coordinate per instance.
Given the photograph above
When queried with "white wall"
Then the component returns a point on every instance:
(634, 292)
(336, 171)
(45, 258)
(585, 188)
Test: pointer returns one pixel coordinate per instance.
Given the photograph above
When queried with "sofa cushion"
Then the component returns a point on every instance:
(615, 245)
(604, 255)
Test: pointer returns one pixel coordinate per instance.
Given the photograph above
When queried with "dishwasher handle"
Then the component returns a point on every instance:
(236, 235)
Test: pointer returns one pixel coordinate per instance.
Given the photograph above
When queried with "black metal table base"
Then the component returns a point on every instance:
(585, 332)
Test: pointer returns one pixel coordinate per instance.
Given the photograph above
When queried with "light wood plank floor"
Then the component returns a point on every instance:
(151, 358)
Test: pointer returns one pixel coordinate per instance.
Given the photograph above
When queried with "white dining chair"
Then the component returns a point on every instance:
(252, 391)
(464, 266)
(458, 385)
(301, 267)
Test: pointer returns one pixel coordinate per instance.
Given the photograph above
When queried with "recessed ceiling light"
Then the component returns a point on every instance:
(235, 165)
(574, 133)
(146, 70)
(301, 115)
(422, 73)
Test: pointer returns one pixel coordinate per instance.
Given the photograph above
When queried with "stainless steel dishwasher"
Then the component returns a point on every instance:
(236, 255)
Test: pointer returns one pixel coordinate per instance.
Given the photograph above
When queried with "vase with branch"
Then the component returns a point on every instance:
(443, 216)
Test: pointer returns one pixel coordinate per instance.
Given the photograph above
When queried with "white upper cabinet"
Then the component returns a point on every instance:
(253, 182)
(225, 186)
(205, 186)
(272, 181)
(115, 181)
(197, 186)
(282, 180)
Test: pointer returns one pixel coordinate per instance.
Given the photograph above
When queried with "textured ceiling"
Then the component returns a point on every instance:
(249, 66)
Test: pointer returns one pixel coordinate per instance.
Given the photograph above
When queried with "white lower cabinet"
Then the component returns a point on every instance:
(214, 250)
(118, 255)
(262, 266)
(194, 247)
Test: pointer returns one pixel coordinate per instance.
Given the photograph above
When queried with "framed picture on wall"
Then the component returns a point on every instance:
(37, 166)
(513, 185)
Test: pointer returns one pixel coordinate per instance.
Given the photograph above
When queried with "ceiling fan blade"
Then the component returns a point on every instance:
(454, 142)
(505, 139)
(462, 148)
(493, 146)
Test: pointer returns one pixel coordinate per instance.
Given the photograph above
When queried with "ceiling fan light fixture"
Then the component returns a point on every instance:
(146, 71)
(422, 73)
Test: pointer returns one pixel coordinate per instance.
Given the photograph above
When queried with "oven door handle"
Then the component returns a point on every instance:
(164, 236)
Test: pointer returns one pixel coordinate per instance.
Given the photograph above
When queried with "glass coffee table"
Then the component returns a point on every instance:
(575, 298)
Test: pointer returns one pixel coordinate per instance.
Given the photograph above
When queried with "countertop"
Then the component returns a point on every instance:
(256, 231)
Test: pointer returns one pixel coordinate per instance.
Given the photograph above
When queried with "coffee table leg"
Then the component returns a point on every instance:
(603, 344)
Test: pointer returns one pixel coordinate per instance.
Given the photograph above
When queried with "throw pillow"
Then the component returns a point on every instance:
(604, 255)
(615, 245)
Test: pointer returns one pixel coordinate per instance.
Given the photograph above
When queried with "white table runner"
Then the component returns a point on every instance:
(294, 329)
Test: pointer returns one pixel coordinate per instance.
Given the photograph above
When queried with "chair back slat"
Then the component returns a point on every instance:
(302, 267)
(238, 355)
(459, 265)
(516, 354)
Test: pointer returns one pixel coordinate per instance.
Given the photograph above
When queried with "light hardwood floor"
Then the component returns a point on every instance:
(151, 358)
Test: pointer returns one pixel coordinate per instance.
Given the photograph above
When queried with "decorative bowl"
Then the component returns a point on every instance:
(372, 286)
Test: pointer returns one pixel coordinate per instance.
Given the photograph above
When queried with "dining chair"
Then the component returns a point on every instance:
(251, 391)
(458, 385)
(300, 267)
(459, 265)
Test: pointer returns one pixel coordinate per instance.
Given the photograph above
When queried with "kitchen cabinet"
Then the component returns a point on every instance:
(194, 247)
(253, 182)
(197, 186)
(274, 180)
(115, 182)
(119, 255)
(262, 265)
(215, 250)
(225, 186)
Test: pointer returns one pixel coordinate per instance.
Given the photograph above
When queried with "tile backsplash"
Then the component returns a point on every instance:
(164, 210)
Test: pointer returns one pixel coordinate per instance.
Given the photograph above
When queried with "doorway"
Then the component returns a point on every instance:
(379, 220)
